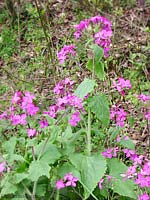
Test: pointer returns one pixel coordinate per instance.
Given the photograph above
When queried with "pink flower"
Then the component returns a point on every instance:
(108, 153)
(144, 197)
(119, 114)
(75, 118)
(144, 98)
(60, 184)
(31, 132)
(121, 85)
(18, 119)
(70, 180)
(52, 111)
(2, 166)
(17, 98)
(43, 123)
(100, 183)
(129, 153)
(62, 55)
(3, 115)
(147, 115)
(96, 19)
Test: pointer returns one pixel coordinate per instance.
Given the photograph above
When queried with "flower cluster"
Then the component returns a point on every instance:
(111, 152)
(66, 99)
(22, 103)
(118, 114)
(68, 180)
(139, 171)
(62, 55)
(121, 85)
(102, 37)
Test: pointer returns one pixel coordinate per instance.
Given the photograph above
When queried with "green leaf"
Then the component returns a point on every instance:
(97, 67)
(9, 146)
(114, 132)
(49, 154)
(85, 88)
(92, 169)
(120, 186)
(128, 144)
(18, 177)
(8, 188)
(98, 52)
(41, 190)
(99, 106)
(37, 169)
(67, 168)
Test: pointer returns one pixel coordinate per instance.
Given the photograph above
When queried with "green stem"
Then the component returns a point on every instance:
(34, 190)
(89, 133)
(88, 190)
(57, 195)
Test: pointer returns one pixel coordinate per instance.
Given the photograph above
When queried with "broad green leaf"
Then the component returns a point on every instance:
(49, 153)
(128, 144)
(85, 88)
(16, 157)
(9, 146)
(120, 186)
(98, 52)
(97, 67)
(92, 169)
(8, 188)
(67, 168)
(18, 177)
(41, 190)
(37, 169)
(99, 106)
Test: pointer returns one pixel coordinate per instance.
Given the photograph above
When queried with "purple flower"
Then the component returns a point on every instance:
(121, 85)
(147, 115)
(143, 181)
(131, 171)
(62, 55)
(31, 132)
(144, 98)
(2, 166)
(119, 114)
(70, 180)
(100, 183)
(108, 153)
(144, 196)
(60, 184)
(75, 118)
(17, 98)
(129, 153)
(18, 119)
(96, 19)
(52, 111)
(43, 123)
(3, 115)
(31, 109)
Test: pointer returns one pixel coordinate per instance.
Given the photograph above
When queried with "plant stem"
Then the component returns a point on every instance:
(89, 133)
(88, 190)
(57, 195)
(34, 190)
(27, 190)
